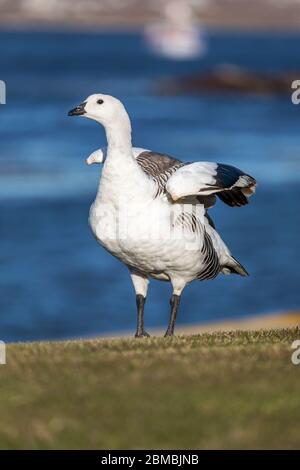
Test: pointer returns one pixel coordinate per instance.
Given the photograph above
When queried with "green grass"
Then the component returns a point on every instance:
(222, 390)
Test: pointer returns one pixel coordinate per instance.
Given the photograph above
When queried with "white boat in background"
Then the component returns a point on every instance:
(177, 35)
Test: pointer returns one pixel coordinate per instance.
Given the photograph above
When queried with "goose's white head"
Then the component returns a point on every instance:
(104, 109)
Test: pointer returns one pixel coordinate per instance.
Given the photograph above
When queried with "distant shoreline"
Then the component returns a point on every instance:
(97, 28)
(219, 15)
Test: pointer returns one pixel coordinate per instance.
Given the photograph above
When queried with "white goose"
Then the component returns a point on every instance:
(151, 209)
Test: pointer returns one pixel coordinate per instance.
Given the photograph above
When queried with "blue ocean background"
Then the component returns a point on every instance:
(55, 281)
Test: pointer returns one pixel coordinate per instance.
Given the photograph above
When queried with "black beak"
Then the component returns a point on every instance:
(78, 111)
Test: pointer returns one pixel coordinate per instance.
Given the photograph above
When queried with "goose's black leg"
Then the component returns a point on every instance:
(140, 303)
(174, 302)
(140, 283)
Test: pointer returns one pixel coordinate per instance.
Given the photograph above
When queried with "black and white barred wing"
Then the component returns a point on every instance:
(159, 167)
(203, 179)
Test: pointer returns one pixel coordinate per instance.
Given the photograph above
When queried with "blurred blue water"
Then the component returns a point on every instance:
(55, 281)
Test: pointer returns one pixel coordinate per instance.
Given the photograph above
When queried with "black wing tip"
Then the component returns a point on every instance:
(227, 177)
(233, 198)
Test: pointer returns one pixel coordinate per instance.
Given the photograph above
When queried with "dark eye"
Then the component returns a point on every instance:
(100, 101)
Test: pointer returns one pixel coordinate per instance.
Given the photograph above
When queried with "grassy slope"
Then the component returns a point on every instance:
(222, 390)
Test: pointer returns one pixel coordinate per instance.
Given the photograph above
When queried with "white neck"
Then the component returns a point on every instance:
(121, 172)
(118, 134)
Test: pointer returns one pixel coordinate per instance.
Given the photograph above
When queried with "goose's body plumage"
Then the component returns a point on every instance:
(151, 211)
(205, 254)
